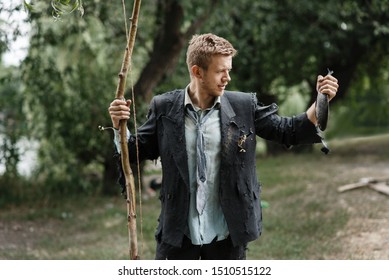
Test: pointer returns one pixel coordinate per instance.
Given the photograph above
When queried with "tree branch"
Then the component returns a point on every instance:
(128, 174)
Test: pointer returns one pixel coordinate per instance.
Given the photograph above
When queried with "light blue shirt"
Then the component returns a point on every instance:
(211, 224)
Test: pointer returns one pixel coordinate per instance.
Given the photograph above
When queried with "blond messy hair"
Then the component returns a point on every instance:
(202, 47)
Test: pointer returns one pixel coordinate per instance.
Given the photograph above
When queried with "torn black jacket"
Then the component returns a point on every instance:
(163, 136)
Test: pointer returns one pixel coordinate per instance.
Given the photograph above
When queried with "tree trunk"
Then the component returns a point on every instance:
(168, 44)
(167, 47)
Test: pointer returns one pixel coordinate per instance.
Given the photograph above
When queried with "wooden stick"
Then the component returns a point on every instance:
(128, 174)
(381, 187)
(363, 182)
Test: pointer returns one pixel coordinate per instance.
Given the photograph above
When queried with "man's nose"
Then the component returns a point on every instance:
(227, 77)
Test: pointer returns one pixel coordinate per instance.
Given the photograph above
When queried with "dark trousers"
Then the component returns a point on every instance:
(216, 250)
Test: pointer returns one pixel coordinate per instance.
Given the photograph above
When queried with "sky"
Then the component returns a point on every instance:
(17, 49)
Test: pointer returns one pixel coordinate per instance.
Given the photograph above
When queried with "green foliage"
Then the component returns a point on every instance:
(296, 40)
(59, 7)
(366, 110)
(370, 96)
(69, 82)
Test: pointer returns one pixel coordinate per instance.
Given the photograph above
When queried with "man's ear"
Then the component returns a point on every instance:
(197, 72)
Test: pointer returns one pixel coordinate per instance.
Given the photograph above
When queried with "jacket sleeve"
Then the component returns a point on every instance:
(146, 136)
(288, 131)
(147, 144)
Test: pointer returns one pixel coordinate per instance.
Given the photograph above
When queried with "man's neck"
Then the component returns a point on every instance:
(199, 99)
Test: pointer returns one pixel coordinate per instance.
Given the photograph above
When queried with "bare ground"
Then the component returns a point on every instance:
(366, 235)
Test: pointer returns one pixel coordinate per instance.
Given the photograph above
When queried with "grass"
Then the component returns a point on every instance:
(305, 218)
(301, 218)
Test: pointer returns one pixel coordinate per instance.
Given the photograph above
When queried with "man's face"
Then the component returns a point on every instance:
(216, 77)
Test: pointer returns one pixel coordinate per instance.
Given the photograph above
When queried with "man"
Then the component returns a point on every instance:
(205, 137)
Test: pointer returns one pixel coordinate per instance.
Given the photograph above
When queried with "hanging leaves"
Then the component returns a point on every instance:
(60, 7)
(64, 7)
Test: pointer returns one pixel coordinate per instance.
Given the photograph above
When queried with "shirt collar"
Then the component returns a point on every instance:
(188, 101)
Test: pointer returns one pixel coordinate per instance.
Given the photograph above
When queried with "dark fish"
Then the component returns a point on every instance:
(322, 108)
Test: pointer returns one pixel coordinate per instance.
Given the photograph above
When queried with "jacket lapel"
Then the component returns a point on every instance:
(229, 128)
(227, 112)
